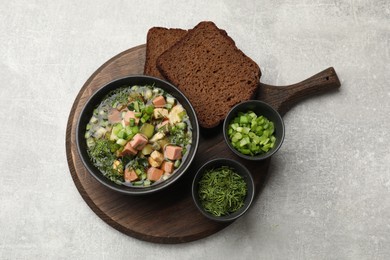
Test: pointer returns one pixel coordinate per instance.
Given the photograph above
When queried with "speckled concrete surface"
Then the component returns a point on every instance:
(328, 196)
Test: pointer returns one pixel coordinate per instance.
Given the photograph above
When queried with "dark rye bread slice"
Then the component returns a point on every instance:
(211, 71)
(159, 40)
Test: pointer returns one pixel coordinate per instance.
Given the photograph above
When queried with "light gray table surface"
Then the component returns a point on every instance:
(328, 196)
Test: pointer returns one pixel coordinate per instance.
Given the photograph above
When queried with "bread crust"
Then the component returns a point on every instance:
(158, 40)
(211, 71)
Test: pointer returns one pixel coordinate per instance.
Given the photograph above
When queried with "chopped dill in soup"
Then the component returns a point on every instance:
(138, 135)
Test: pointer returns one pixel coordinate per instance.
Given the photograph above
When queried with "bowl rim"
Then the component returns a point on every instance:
(243, 171)
(260, 156)
(136, 190)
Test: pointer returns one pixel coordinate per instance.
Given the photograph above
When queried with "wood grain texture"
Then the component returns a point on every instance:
(283, 98)
(169, 216)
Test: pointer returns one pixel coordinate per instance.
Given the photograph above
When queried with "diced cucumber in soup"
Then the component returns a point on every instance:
(121, 145)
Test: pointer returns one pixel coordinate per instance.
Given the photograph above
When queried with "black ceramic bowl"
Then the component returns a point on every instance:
(238, 168)
(260, 108)
(95, 100)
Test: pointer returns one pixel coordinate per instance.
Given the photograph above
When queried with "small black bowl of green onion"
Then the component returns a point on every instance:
(223, 189)
(253, 130)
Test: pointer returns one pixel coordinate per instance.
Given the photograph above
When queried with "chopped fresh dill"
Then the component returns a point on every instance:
(102, 154)
(128, 131)
(222, 191)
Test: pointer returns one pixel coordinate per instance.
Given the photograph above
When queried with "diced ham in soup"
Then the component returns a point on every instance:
(128, 150)
(138, 135)
(114, 116)
(173, 152)
(128, 115)
(130, 175)
(167, 167)
(138, 142)
(154, 174)
(159, 101)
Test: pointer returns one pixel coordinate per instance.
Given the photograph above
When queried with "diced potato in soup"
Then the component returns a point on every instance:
(138, 135)
(176, 114)
(160, 113)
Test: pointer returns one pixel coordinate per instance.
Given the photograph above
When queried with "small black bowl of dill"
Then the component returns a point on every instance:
(223, 189)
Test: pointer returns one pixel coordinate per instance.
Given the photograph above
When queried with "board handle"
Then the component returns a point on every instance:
(285, 97)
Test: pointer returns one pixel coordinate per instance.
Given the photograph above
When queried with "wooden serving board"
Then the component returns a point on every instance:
(170, 216)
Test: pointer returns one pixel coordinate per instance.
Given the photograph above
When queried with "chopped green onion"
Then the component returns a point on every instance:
(106, 139)
(177, 163)
(149, 109)
(132, 121)
(121, 142)
(251, 134)
(138, 114)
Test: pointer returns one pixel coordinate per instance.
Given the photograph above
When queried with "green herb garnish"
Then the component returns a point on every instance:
(102, 154)
(112, 129)
(251, 134)
(119, 96)
(179, 134)
(222, 191)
